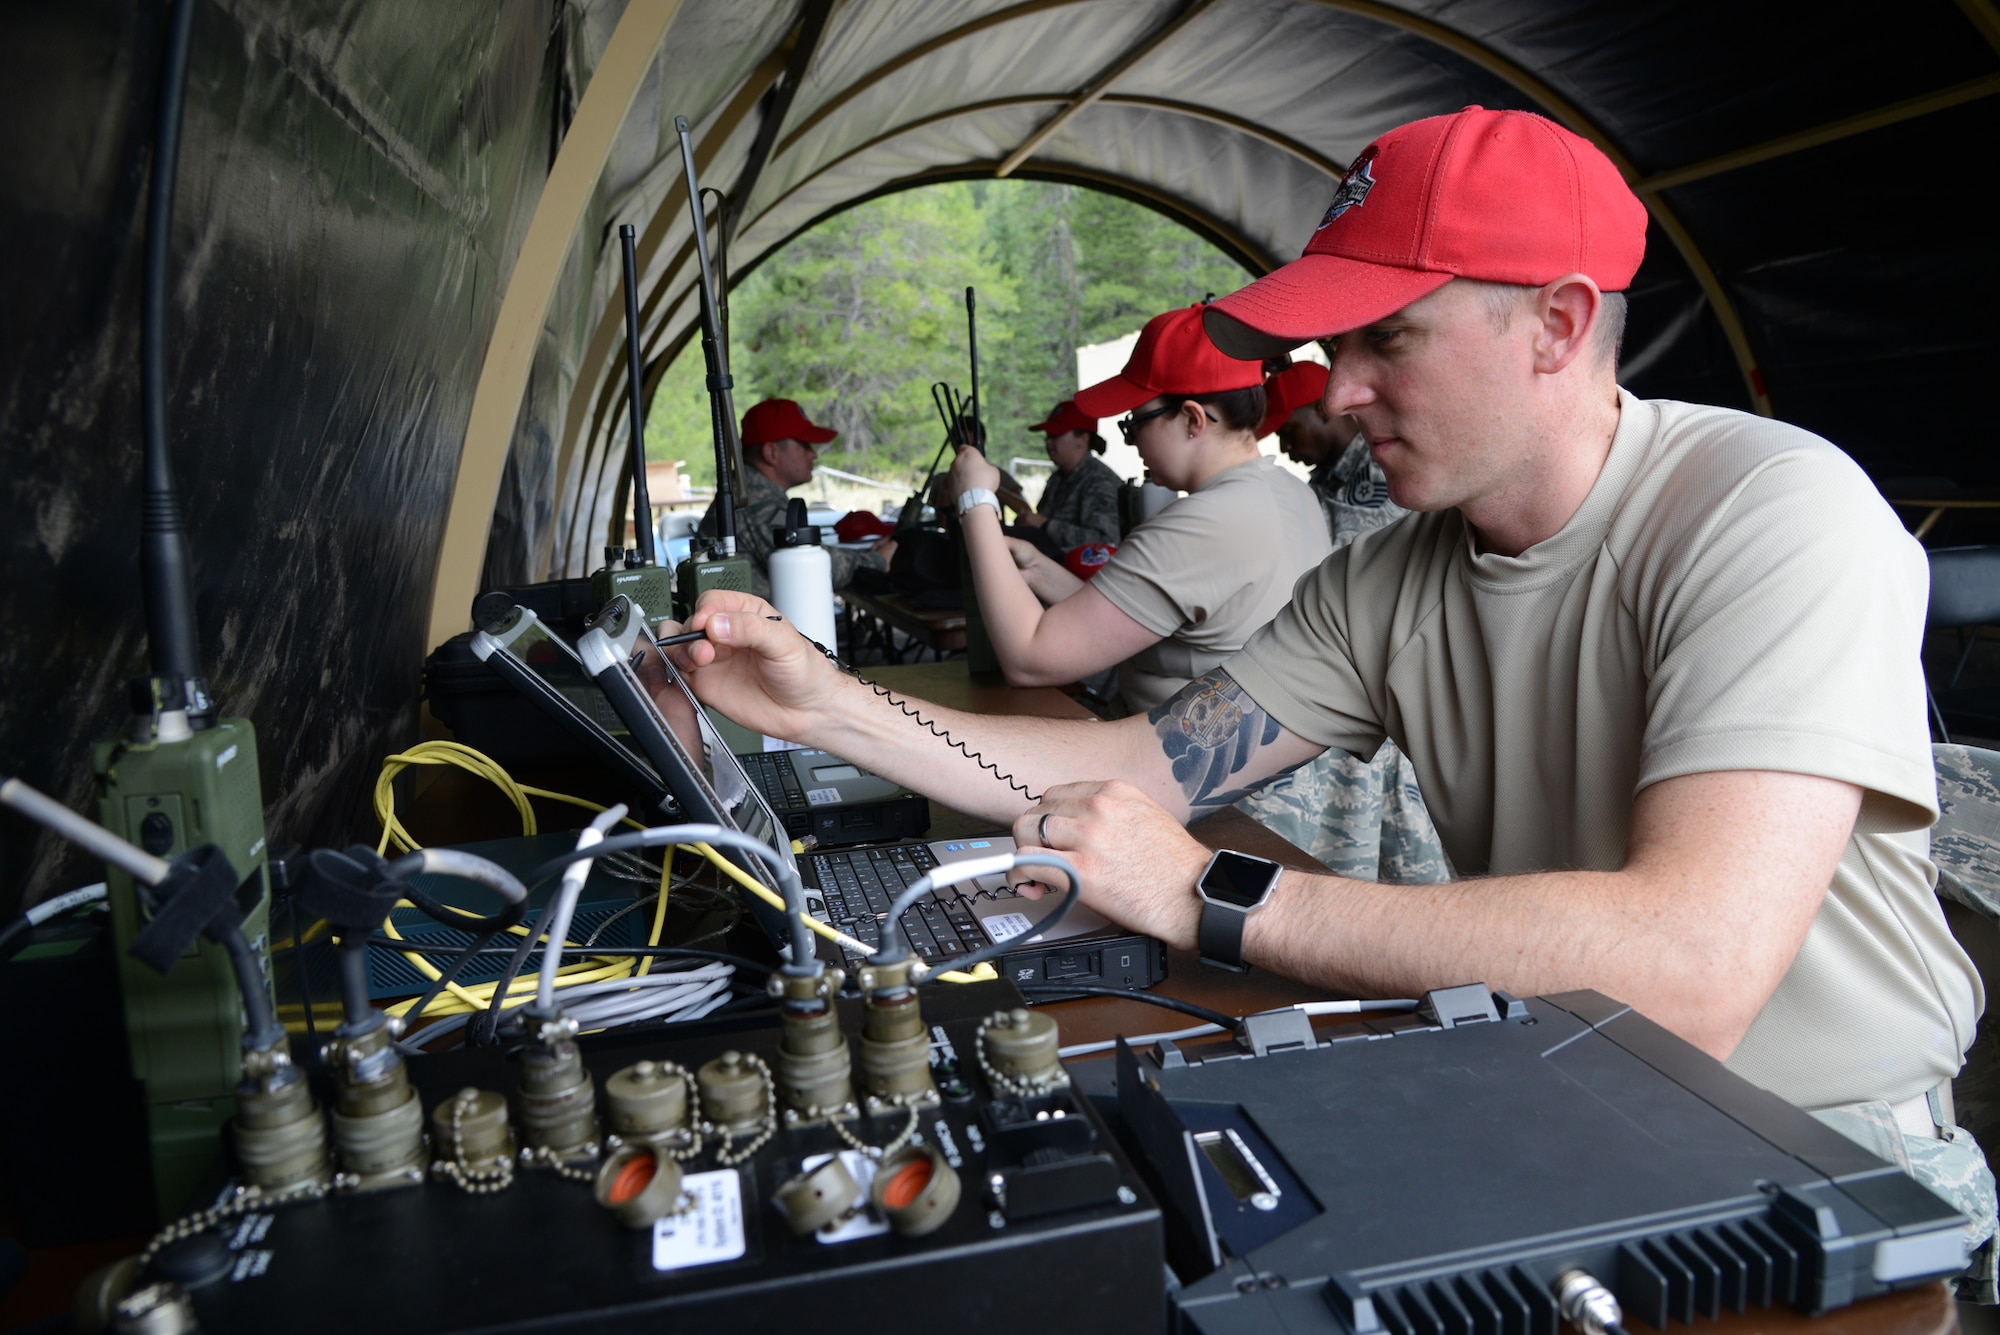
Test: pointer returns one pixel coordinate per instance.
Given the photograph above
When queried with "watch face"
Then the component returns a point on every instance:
(1235, 878)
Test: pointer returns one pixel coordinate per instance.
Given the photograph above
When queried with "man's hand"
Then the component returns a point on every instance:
(755, 667)
(1031, 518)
(1025, 553)
(971, 469)
(1138, 864)
(886, 549)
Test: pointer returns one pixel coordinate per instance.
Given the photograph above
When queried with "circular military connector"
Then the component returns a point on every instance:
(558, 1102)
(98, 1296)
(383, 1148)
(484, 1137)
(817, 1197)
(280, 1137)
(1020, 1045)
(915, 1190)
(733, 1092)
(639, 1184)
(646, 1099)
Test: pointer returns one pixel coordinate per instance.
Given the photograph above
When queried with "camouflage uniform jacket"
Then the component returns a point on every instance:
(764, 510)
(1082, 504)
(1353, 493)
(1362, 818)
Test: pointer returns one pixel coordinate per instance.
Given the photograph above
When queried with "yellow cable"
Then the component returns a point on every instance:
(659, 909)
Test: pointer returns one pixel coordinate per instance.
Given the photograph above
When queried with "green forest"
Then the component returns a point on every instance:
(856, 318)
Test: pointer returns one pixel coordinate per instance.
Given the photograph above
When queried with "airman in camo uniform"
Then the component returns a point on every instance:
(779, 447)
(1362, 818)
(1080, 504)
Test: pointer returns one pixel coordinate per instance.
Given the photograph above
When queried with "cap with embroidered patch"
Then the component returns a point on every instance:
(1172, 356)
(782, 419)
(1504, 196)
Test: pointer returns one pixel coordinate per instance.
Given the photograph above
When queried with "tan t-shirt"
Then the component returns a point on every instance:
(1733, 594)
(1208, 570)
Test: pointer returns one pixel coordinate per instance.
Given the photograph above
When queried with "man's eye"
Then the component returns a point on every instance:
(1382, 338)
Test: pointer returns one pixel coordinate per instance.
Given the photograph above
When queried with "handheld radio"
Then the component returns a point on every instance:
(722, 567)
(180, 777)
(979, 655)
(643, 579)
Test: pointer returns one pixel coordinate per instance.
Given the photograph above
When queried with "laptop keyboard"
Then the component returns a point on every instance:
(776, 779)
(860, 883)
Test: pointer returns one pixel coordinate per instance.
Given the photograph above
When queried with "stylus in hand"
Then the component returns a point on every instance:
(685, 637)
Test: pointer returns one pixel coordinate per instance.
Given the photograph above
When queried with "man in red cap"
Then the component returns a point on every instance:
(1656, 666)
(1079, 506)
(780, 445)
(1351, 488)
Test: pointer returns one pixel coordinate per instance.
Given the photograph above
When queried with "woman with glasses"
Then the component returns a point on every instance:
(1185, 589)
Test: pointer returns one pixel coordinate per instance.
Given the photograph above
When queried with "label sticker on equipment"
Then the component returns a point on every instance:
(780, 744)
(863, 1224)
(710, 1230)
(821, 797)
(1007, 926)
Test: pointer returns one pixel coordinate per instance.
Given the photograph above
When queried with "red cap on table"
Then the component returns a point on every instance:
(1066, 417)
(1172, 356)
(781, 419)
(1504, 196)
(1084, 562)
(1290, 390)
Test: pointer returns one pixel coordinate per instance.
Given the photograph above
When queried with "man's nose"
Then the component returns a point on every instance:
(1346, 388)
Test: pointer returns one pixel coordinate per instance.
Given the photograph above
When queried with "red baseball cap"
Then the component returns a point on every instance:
(1066, 417)
(1505, 196)
(1290, 390)
(1172, 356)
(781, 419)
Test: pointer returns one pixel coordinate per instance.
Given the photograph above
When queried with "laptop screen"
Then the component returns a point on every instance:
(673, 731)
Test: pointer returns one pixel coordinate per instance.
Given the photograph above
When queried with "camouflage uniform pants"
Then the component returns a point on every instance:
(1952, 1165)
(1364, 819)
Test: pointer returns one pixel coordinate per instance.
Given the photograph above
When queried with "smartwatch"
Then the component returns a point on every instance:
(1232, 887)
(972, 496)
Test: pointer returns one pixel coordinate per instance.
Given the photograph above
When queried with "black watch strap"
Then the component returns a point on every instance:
(1220, 937)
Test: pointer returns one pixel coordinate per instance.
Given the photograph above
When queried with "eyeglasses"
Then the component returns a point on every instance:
(1130, 421)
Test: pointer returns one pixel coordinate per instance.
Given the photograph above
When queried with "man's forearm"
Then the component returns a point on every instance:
(991, 766)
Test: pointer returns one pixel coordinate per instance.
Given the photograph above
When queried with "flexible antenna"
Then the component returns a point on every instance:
(721, 407)
(972, 346)
(165, 572)
(642, 506)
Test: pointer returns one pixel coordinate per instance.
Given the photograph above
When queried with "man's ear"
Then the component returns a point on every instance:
(1568, 310)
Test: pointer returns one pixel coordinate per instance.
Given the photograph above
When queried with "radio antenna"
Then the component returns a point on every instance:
(642, 508)
(165, 572)
(721, 405)
(972, 346)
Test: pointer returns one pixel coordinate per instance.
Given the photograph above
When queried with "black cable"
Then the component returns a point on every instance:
(261, 1029)
(1058, 990)
(450, 916)
(484, 1028)
(305, 983)
(445, 978)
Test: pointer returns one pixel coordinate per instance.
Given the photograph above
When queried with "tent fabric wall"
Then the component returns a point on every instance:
(358, 175)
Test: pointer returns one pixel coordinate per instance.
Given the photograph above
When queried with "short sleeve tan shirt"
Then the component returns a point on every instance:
(1208, 570)
(1733, 594)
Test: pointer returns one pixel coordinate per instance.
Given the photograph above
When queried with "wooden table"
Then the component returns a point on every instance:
(1934, 504)
(941, 629)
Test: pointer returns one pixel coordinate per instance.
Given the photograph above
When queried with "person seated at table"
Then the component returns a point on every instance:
(1079, 506)
(1362, 817)
(1351, 487)
(1656, 664)
(1185, 589)
(780, 446)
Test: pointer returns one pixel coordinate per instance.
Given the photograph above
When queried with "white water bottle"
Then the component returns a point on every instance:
(802, 576)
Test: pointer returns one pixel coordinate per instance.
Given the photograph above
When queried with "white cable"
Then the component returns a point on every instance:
(574, 876)
(37, 914)
(1143, 1040)
(1202, 1030)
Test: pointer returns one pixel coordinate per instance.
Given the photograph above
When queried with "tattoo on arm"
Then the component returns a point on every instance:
(1210, 731)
